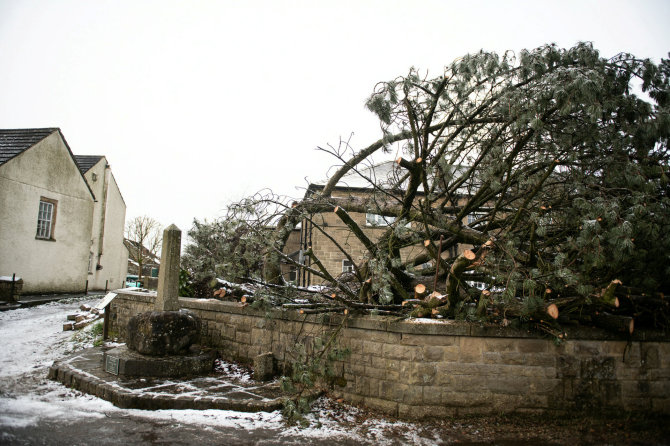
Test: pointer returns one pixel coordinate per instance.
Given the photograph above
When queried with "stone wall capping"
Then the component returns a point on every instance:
(446, 328)
(388, 323)
(379, 323)
(136, 296)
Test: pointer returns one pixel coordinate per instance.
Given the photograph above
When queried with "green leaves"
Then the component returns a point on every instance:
(564, 165)
(313, 363)
(380, 106)
(185, 284)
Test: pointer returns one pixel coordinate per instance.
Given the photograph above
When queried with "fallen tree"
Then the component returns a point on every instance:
(541, 175)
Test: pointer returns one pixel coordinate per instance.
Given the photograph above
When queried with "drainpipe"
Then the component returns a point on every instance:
(103, 212)
(309, 259)
(303, 248)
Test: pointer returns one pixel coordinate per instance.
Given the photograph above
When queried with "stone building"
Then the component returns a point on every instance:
(353, 185)
(356, 185)
(61, 221)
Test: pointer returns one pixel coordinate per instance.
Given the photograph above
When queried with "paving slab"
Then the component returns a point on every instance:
(227, 387)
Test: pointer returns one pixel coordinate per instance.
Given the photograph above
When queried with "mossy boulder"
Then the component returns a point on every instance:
(160, 333)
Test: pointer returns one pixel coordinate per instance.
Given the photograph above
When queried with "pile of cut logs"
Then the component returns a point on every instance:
(615, 307)
(233, 295)
(82, 319)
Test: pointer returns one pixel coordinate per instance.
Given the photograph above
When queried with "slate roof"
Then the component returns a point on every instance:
(15, 141)
(381, 172)
(85, 162)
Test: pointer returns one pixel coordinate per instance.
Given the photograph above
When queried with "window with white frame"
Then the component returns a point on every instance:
(378, 220)
(46, 219)
(478, 285)
(473, 218)
(347, 266)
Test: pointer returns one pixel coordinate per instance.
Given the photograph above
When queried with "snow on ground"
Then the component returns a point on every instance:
(234, 371)
(32, 338)
(49, 401)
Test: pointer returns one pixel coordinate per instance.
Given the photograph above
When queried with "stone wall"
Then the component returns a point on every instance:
(415, 370)
(330, 255)
(328, 252)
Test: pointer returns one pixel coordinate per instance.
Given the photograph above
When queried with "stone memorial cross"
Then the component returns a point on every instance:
(168, 277)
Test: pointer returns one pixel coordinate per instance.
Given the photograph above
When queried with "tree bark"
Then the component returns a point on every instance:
(454, 279)
(612, 322)
(607, 296)
(419, 291)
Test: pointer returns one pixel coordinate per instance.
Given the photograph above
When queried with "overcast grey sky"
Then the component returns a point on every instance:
(199, 103)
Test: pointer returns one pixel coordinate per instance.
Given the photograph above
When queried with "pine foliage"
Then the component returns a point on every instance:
(552, 164)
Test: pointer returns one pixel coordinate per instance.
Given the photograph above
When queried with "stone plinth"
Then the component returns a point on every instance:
(124, 362)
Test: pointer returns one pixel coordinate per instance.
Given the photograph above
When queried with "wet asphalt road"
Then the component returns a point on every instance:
(128, 430)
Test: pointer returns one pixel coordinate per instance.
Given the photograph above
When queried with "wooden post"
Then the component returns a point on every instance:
(11, 295)
(105, 324)
(86, 289)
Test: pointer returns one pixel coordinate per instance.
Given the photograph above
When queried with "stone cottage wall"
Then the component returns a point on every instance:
(449, 368)
(330, 255)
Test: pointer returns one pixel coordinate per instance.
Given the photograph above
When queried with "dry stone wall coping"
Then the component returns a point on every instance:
(391, 324)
